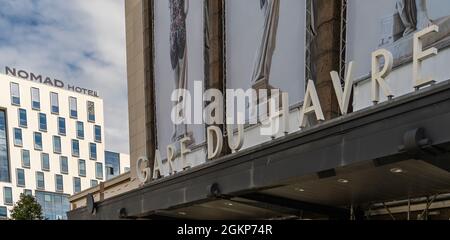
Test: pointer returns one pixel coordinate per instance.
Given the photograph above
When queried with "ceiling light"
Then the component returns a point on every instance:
(397, 170)
(229, 204)
(343, 181)
(299, 189)
(182, 213)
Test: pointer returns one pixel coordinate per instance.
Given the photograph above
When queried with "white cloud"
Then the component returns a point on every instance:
(78, 41)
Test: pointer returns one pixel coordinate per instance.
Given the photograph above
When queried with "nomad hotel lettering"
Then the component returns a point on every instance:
(48, 81)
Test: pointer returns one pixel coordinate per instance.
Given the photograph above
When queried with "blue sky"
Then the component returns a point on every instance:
(81, 42)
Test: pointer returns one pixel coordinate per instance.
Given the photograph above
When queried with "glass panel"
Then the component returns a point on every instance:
(80, 130)
(99, 170)
(28, 192)
(38, 141)
(45, 162)
(82, 168)
(20, 178)
(54, 102)
(64, 165)
(93, 151)
(40, 182)
(3, 212)
(75, 148)
(7, 195)
(18, 137)
(59, 183)
(35, 99)
(54, 205)
(23, 118)
(91, 111)
(15, 94)
(98, 133)
(61, 126)
(4, 156)
(94, 183)
(73, 107)
(25, 158)
(76, 185)
(42, 122)
(112, 161)
(56, 144)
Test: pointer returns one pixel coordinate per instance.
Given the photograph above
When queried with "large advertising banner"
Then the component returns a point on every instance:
(178, 62)
(391, 25)
(265, 45)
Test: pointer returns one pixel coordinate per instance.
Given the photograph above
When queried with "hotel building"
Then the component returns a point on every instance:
(51, 144)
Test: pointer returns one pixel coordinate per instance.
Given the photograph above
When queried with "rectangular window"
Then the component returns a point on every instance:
(94, 183)
(57, 145)
(62, 126)
(80, 130)
(59, 183)
(25, 158)
(64, 165)
(75, 148)
(35, 99)
(45, 162)
(98, 133)
(7, 196)
(54, 101)
(42, 122)
(76, 185)
(92, 151)
(15, 94)
(3, 213)
(73, 107)
(40, 182)
(20, 177)
(23, 118)
(38, 141)
(4, 154)
(28, 192)
(18, 142)
(99, 171)
(82, 168)
(91, 111)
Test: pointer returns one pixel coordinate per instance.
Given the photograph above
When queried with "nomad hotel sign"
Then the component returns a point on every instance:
(48, 81)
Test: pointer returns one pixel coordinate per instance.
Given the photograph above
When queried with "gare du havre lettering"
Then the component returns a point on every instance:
(48, 81)
(382, 66)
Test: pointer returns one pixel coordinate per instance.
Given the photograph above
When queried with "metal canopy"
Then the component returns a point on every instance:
(363, 148)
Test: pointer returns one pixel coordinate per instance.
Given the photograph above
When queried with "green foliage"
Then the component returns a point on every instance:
(27, 208)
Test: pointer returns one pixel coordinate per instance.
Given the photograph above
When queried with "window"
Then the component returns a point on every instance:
(42, 122)
(7, 196)
(20, 177)
(45, 161)
(4, 155)
(73, 107)
(91, 111)
(99, 170)
(15, 94)
(57, 144)
(18, 142)
(112, 164)
(3, 213)
(64, 165)
(35, 99)
(59, 183)
(23, 118)
(75, 148)
(38, 141)
(54, 205)
(80, 130)
(25, 158)
(62, 126)
(82, 168)
(54, 102)
(92, 151)
(76, 185)
(94, 183)
(40, 182)
(28, 192)
(98, 133)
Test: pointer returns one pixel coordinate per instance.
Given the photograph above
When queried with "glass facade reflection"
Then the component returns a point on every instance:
(54, 205)
(112, 165)
(4, 158)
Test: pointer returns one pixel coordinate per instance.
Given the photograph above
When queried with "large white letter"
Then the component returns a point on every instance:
(185, 150)
(214, 133)
(343, 97)
(378, 76)
(143, 170)
(311, 104)
(170, 158)
(181, 112)
(213, 113)
(157, 165)
(420, 55)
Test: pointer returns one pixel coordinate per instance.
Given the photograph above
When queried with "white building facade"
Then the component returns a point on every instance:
(51, 143)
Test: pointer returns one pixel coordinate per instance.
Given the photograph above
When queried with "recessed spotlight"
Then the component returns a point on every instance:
(229, 204)
(182, 213)
(299, 189)
(344, 181)
(397, 170)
